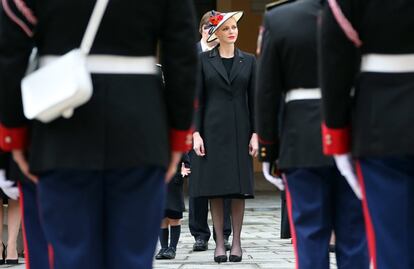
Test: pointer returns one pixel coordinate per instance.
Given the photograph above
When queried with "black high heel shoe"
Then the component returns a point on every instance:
(9, 261)
(220, 259)
(235, 258)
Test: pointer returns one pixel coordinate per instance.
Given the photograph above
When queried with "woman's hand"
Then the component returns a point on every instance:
(254, 145)
(20, 158)
(172, 167)
(198, 145)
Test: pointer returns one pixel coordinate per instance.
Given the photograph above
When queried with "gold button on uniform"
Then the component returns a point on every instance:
(8, 139)
(328, 139)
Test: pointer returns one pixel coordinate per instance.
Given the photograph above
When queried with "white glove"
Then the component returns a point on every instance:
(8, 186)
(346, 168)
(277, 181)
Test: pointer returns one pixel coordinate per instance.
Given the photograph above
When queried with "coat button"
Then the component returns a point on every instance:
(263, 154)
(328, 139)
(7, 139)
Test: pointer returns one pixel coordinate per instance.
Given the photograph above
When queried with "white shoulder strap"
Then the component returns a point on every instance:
(345, 24)
(93, 25)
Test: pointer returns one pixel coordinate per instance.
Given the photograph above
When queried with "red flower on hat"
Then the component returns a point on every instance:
(215, 19)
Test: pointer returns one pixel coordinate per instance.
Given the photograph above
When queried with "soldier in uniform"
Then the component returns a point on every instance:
(368, 46)
(318, 197)
(104, 168)
(35, 244)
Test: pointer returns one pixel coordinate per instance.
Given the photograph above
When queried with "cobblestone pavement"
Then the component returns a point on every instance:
(262, 247)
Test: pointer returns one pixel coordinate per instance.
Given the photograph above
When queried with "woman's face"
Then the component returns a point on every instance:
(228, 32)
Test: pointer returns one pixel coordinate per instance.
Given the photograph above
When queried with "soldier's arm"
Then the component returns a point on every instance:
(17, 24)
(339, 59)
(268, 96)
(179, 61)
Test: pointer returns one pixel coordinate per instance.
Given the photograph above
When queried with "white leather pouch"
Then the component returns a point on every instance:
(59, 87)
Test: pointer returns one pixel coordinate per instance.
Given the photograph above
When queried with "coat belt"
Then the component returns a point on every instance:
(113, 64)
(387, 63)
(302, 94)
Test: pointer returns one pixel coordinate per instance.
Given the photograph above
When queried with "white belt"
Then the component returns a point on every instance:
(302, 94)
(113, 64)
(387, 63)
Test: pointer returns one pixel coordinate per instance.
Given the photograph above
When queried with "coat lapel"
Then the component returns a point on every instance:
(238, 63)
(217, 63)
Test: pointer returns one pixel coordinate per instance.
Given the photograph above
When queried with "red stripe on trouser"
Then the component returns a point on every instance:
(26, 248)
(367, 216)
(51, 256)
(291, 222)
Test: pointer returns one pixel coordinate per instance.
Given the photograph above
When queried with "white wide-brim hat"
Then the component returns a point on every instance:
(226, 16)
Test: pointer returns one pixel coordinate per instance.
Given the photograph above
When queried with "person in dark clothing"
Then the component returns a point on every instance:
(224, 139)
(15, 185)
(173, 212)
(115, 153)
(198, 206)
(319, 199)
(367, 79)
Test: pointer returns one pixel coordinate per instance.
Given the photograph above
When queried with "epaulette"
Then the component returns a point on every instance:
(277, 3)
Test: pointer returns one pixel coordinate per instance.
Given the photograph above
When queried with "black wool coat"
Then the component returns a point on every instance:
(225, 120)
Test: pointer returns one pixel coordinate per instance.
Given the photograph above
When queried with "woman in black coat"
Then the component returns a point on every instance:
(225, 140)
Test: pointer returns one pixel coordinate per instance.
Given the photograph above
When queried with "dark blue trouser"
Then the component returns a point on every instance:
(102, 219)
(319, 202)
(388, 185)
(35, 244)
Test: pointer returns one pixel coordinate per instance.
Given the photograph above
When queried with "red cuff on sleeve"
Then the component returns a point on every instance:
(13, 138)
(335, 141)
(181, 140)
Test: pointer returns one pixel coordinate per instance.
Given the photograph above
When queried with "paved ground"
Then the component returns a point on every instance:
(262, 247)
